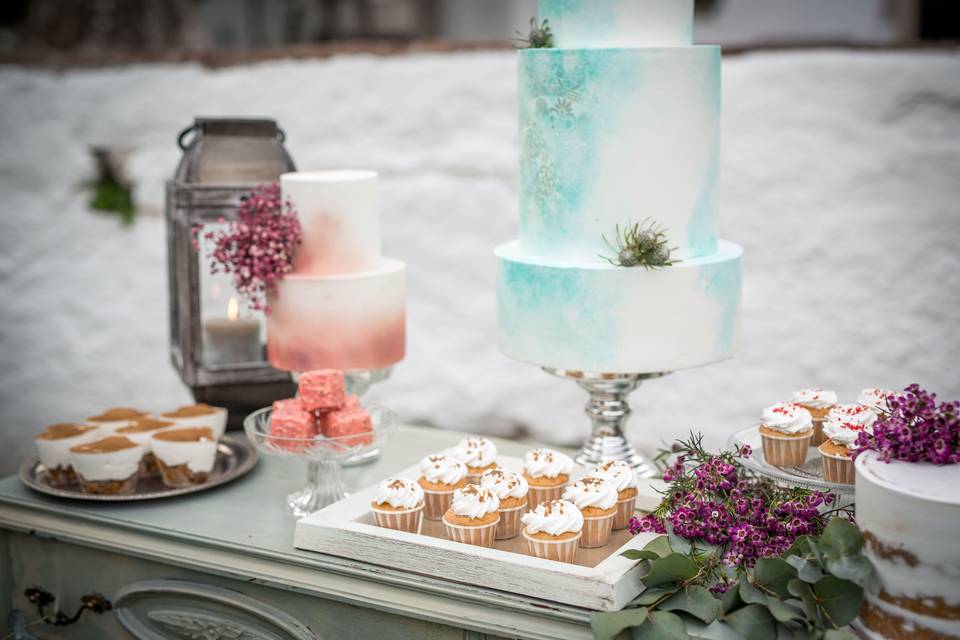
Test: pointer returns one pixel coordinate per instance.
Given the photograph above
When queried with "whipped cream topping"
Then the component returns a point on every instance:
(555, 518)
(592, 491)
(108, 465)
(444, 469)
(618, 472)
(475, 452)
(787, 417)
(816, 398)
(846, 421)
(473, 501)
(198, 455)
(546, 463)
(875, 399)
(506, 484)
(399, 493)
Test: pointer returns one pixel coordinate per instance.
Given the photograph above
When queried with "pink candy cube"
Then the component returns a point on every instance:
(351, 402)
(321, 390)
(349, 422)
(284, 406)
(292, 424)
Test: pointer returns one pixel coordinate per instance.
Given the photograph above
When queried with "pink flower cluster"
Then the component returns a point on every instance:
(916, 429)
(257, 247)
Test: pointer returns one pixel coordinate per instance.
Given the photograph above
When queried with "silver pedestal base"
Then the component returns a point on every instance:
(608, 411)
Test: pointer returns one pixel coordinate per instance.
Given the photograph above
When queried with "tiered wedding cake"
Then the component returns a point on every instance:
(342, 307)
(619, 123)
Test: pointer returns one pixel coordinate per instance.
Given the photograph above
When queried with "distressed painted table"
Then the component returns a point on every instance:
(223, 561)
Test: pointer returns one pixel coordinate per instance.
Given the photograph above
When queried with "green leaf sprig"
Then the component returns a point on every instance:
(539, 36)
(640, 244)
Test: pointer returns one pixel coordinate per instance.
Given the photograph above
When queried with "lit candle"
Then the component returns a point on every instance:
(231, 340)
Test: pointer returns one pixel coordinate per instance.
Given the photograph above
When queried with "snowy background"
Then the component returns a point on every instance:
(841, 178)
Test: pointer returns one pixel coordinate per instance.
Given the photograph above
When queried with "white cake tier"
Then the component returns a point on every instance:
(354, 321)
(339, 214)
(598, 318)
(909, 514)
(614, 136)
(618, 23)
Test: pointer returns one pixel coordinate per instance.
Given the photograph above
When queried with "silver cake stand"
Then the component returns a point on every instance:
(608, 411)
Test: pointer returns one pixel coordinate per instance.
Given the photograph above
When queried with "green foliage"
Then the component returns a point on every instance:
(539, 36)
(811, 592)
(109, 196)
(640, 244)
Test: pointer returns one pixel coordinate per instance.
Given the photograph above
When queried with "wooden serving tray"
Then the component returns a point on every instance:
(598, 578)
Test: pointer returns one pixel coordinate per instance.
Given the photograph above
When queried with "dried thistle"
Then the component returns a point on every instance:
(540, 36)
(640, 244)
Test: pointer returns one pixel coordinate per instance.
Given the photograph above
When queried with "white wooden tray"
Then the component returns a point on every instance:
(600, 579)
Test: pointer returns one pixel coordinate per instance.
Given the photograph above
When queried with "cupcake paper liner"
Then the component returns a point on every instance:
(409, 520)
(510, 524)
(482, 535)
(819, 437)
(596, 530)
(436, 503)
(837, 468)
(559, 550)
(625, 510)
(537, 495)
(785, 451)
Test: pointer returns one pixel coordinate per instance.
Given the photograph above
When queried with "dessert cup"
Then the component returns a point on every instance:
(409, 520)
(544, 489)
(626, 507)
(785, 449)
(185, 456)
(818, 436)
(199, 415)
(510, 514)
(562, 548)
(597, 526)
(108, 466)
(837, 467)
(114, 418)
(53, 447)
(481, 533)
(141, 431)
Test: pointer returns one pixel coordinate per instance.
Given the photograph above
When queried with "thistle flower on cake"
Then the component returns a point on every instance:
(257, 247)
(640, 244)
(539, 36)
(915, 429)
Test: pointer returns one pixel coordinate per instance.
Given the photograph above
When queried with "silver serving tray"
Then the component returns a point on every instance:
(235, 457)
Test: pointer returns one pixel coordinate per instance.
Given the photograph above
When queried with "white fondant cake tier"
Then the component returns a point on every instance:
(354, 321)
(339, 213)
(618, 23)
(909, 514)
(599, 318)
(614, 136)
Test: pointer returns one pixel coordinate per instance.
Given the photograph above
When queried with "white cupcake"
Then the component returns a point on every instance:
(876, 400)
(479, 454)
(473, 516)
(553, 530)
(843, 426)
(440, 476)
(596, 497)
(785, 431)
(624, 478)
(398, 504)
(547, 472)
(512, 489)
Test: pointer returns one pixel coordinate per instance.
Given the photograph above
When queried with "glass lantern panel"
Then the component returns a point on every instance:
(231, 332)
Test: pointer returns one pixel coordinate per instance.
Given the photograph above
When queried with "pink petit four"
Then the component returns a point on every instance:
(350, 422)
(291, 424)
(351, 402)
(284, 406)
(321, 390)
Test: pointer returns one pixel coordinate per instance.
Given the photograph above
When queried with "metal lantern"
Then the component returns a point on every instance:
(216, 344)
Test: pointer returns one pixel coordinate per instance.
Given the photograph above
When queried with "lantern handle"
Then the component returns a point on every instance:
(182, 135)
(281, 135)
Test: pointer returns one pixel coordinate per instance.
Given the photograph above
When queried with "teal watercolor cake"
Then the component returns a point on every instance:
(619, 124)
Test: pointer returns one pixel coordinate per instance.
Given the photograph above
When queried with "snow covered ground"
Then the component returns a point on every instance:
(841, 178)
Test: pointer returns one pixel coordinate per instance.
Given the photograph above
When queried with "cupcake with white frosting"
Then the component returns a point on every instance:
(473, 516)
(199, 415)
(596, 497)
(141, 430)
(785, 430)
(547, 472)
(512, 489)
(107, 466)
(53, 446)
(876, 400)
(398, 505)
(186, 456)
(843, 426)
(818, 403)
(553, 530)
(440, 476)
(479, 454)
(624, 478)
(114, 418)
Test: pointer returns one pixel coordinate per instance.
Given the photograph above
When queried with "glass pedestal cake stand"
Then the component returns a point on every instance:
(608, 411)
(809, 475)
(324, 456)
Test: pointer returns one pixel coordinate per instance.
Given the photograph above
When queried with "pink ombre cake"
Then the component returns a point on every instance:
(343, 305)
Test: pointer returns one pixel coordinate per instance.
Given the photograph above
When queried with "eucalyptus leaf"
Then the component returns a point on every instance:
(800, 546)
(784, 612)
(840, 538)
(677, 543)
(839, 634)
(675, 567)
(774, 574)
(608, 625)
(730, 600)
(807, 570)
(753, 622)
(839, 599)
(749, 593)
(803, 590)
(807, 634)
(649, 596)
(856, 568)
(659, 545)
(696, 601)
(661, 625)
(640, 554)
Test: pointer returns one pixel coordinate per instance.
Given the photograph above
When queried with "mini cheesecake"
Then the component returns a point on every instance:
(141, 431)
(199, 415)
(53, 446)
(112, 419)
(186, 456)
(108, 466)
